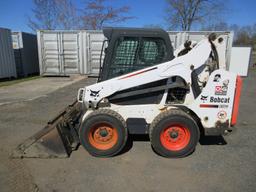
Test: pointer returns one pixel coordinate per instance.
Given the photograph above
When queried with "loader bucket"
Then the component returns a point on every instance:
(56, 140)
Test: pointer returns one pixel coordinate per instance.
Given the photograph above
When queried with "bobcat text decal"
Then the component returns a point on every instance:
(219, 102)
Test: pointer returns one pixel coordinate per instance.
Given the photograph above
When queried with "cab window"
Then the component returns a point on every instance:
(133, 53)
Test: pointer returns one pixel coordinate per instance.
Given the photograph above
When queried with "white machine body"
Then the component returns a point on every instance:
(213, 107)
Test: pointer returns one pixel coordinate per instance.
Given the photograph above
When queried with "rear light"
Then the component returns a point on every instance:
(238, 90)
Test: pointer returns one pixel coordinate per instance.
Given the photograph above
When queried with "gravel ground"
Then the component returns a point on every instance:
(218, 164)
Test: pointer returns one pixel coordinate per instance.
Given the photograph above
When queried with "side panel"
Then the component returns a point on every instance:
(7, 60)
(26, 53)
(17, 45)
(70, 53)
(18, 62)
(215, 104)
(95, 41)
(240, 60)
(29, 54)
(50, 53)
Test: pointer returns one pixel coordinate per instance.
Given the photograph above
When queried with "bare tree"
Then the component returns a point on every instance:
(96, 14)
(183, 14)
(44, 15)
(246, 35)
(67, 15)
(53, 14)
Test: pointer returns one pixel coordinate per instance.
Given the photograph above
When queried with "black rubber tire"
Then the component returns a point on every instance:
(163, 120)
(108, 116)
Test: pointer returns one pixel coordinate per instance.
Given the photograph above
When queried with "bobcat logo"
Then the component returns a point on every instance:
(94, 93)
(217, 78)
(204, 98)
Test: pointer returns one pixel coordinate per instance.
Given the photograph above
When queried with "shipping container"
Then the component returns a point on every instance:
(7, 61)
(26, 53)
(60, 53)
(78, 52)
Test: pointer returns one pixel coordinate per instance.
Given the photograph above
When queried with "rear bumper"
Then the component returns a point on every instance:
(219, 129)
(214, 131)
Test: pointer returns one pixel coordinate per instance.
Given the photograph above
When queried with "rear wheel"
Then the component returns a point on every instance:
(174, 134)
(103, 133)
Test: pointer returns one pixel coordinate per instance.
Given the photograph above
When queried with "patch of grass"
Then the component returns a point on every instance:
(15, 81)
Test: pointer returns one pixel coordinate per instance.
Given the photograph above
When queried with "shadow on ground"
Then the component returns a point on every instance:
(212, 140)
(204, 140)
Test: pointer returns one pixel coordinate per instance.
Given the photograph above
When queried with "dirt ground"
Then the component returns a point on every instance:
(218, 164)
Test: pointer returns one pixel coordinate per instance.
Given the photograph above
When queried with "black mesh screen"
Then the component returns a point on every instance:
(132, 53)
(124, 57)
(152, 51)
(126, 52)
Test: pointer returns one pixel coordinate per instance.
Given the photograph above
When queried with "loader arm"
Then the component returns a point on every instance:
(180, 66)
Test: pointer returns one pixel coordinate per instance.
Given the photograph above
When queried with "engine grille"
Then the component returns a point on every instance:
(176, 95)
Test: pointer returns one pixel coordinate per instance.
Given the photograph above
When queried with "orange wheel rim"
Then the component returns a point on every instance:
(103, 136)
(175, 137)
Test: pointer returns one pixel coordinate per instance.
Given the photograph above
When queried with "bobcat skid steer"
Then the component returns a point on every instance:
(144, 89)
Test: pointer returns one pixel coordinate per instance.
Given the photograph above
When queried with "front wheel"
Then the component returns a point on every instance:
(174, 133)
(103, 133)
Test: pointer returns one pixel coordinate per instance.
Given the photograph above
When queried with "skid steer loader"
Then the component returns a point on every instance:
(144, 89)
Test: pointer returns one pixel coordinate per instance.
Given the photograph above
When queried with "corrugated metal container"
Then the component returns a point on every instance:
(26, 53)
(95, 40)
(78, 52)
(60, 52)
(7, 61)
